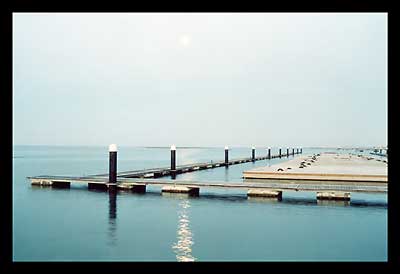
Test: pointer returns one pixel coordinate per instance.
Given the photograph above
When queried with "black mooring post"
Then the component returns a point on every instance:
(112, 174)
(293, 151)
(301, 150)
(269, 153)
(280, 153)
(173, 161)
(226, 156)
(287, 152)
(253, 154)
(297, 150)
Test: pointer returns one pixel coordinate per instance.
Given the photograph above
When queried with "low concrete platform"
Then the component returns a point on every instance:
(192, 191)
(339, 196)
(137, 188)
(267, 193)
(325, 167)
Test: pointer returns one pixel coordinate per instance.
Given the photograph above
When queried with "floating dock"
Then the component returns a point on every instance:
(138, 180)
(267, 190)
(326, 167)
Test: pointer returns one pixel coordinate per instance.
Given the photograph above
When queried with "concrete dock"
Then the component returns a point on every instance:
(325, 167)
(311, 173)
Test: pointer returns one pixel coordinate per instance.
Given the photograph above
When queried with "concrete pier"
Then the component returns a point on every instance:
(318, 173)
(324, 167)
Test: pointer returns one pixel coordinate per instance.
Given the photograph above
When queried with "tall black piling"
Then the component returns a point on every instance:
(173, 161)
(226, 156)
(112, 176)
(253, 154)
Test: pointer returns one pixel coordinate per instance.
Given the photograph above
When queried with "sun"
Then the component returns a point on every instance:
(185, 40)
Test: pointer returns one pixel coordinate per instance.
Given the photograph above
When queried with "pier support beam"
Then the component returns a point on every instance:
(280, 153)
(269, 153)
(267, 193)
(253, 154)
(61, 184)
(192, 191)
(112, 174)
(287, 152)
(332, 195)
(293, 151)
(98, 186)
(226, 156)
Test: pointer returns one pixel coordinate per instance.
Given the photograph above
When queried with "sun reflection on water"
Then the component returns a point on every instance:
(183, 247)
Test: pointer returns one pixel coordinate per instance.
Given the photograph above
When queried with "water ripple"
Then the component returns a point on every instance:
(183, 246)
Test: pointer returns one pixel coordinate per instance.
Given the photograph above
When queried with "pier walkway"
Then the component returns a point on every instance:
(131, 183)
(166, 171)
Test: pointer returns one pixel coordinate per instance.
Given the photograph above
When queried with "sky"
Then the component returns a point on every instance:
(200, 79)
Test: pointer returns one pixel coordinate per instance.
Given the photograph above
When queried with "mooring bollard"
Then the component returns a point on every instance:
(173, 160)
(253, 154)
(112, 175)
(280, 153)
(269, 152)
(226, 156)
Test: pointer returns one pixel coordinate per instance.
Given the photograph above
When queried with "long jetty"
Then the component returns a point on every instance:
(167, 171)
(137, 180)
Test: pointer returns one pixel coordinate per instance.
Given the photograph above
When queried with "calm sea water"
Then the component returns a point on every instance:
(221, 225)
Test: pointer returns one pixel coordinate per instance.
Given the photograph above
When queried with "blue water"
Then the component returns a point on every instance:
(221, 225)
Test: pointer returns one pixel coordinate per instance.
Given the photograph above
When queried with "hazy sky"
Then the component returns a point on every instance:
(143, 79)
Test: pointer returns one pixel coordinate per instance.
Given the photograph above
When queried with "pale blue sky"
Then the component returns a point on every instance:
(264, 79)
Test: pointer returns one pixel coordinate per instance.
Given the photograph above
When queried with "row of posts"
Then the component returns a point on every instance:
(113, 159)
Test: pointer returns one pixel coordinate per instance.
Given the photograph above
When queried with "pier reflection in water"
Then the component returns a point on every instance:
(112, 218)
(183, 246)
